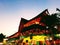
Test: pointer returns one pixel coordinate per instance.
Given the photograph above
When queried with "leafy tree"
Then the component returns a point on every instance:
(2, 37)
(51, 21)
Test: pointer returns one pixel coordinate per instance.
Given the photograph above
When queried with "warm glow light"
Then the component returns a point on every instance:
(57, 34)
(5, 41)
(37, 22)
(36, 38)
(1, 43)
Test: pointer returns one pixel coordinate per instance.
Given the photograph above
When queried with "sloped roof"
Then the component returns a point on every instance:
(24, 21)
(14, 35)
(44, 13)
(37, 18)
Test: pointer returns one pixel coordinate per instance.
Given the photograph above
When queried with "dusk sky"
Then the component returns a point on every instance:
(11, 12)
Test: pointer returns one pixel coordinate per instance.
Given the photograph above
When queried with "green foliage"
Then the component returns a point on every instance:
(2, 37)
(50, 20)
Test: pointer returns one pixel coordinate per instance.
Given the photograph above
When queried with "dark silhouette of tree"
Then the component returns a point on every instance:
(2, 37)
(50, 21)
(57, 9)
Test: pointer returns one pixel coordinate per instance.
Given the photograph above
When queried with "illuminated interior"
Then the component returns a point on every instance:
(35, 38)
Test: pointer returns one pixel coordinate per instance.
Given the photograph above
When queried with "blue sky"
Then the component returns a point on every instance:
(11, 12)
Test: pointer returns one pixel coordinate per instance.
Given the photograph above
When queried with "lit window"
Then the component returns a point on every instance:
(37, 22)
